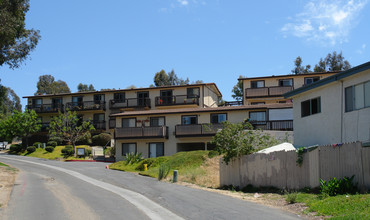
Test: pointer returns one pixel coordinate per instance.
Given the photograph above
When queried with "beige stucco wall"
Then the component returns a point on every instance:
(333, 124)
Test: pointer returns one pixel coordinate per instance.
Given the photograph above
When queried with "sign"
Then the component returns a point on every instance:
(80, 151)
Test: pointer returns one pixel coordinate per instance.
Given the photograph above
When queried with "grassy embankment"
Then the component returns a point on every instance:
(55, 155)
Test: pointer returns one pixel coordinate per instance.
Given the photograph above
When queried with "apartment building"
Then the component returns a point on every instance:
(270, 89)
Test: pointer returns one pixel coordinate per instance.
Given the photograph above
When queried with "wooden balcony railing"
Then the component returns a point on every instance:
(197, 130)
(141, 132)
(267, 91)
(86, 105)
(176, 100)
(46, 108)
(281, 125)
(129, 103)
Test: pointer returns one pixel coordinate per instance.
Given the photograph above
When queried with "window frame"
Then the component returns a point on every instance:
(311, 77)
(182, 119)
(164, 121)
(128, 143)
(129, 123)
(310, 107)
(353, 106)
(218, 121)
(120, 94)
(192, 95)
(249, 114)
(282, 80)
(256, 81)
(156, 149)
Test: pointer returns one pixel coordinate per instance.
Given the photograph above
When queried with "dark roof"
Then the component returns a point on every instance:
(125, 90)
(288, 75)
(333, 78)
(209, 109)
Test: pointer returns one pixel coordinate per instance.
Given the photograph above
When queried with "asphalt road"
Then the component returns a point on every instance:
(48, 189)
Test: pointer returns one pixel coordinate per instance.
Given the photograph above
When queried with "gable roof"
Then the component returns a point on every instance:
(330, 79)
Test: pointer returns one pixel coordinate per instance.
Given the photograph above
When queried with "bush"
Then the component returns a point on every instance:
(52, 143)
(213, 154)
(84, 140)
(291, 198)
(335, 186)
(15, 148)
(59, 140)
(132, 158)
(87, 152)
(102, 139)
(163, 171)
(31, 149)
(49, 149)
(68, 151)
(37, 144)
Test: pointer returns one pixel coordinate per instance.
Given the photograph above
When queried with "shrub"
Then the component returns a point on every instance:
(52, 143)
(49, 148)
(59, 140)
(68, 151)
(132, 158)
(336, 186)
(84, 140)
(213, 153)
(87, 152)
(102, 139)
(163, 171)
(31, 149)
(37, 144)
(291, 198)
(15, 148)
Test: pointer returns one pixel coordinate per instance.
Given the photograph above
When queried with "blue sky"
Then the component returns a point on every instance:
(115, 44)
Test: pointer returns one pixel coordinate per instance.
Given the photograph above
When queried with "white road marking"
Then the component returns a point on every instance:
(150, 208)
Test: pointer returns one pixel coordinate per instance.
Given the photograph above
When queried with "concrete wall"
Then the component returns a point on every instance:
(279, 169)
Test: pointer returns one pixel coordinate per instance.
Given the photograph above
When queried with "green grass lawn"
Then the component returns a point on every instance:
(3, 165)
(55, 155)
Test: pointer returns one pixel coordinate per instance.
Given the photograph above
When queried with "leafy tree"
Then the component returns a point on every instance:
(299, 69)
(161, 78)
(238, 90)
(131, 87)
(236, 140)
(9, 102)
(332, 62)
(21, 125)
(16, 42)
(48, 85)
(68, 127)
(85, 88)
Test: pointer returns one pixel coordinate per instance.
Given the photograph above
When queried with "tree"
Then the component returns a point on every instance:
(238, 90)
(299, 69)
(10, 102)
(85, 88)
(236, 140)
(68, 127)
(21, 125)
(332, 62)
(48, 85)
(16, 42)
(161, 78)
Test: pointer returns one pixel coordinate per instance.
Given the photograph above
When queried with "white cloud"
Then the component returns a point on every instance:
(325, 21)
(183, 2)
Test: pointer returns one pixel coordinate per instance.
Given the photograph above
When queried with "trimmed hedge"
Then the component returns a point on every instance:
(49, 149)
(52, 143)
(36, 144)
(31, 149)
(102, 139)
(16, 148)
(68, 151)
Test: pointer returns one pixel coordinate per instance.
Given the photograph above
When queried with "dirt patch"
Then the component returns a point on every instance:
(7, 179)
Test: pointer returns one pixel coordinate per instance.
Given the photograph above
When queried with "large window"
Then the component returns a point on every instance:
(99, 98)
(156, 149)
(311, 107)
(218, 118)
(286, 82)
(119, 96)
(357, 96)
(258, 84)
(128, 148)
(189, 120)
(257, 116)
(193, 92)
(157, 121)
(128, 122)
(309, 80)
(36, 103)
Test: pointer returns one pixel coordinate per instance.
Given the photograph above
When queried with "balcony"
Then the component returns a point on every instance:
(46, 108)
(141, 132)
(129, 103)
(99, 125)
(84, 106)
(267, 91)
(282, 125)
(176, 100)
(197, 130)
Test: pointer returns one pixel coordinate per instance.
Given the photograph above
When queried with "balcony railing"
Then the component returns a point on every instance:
(112, 123)
(197, 130)
(233, 103)
(281, 125)
(267, 91)
(129, 103)
(141, 132)
(176, 100)
(46, 108)
(87, 105)
(99, 125)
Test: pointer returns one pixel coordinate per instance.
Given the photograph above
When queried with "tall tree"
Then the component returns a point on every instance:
(299, 68)
(162, 78)
(85, 88)
(332, 62)
(16, 42)
(48, 85)
(9, 103)
(238, 90)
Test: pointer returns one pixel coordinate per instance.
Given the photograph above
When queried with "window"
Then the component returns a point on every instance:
(257, 103)
(157, 121)
(166, 97)
(258, 84)
(193, 92)
(128, 148)
(286, 82)
(281, 101)
(156, 149)
(128, 122)
(56, 102)
(36, 103)
(357, 96)
(311, 107)
(257, 116)
(119, 96)
(99, 117)
(99, 98)
(218, 118)
(189, 120)
(142, 98)
(77, 99)
(309, 80)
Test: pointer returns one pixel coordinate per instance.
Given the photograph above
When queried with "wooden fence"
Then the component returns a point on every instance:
(279, 169)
